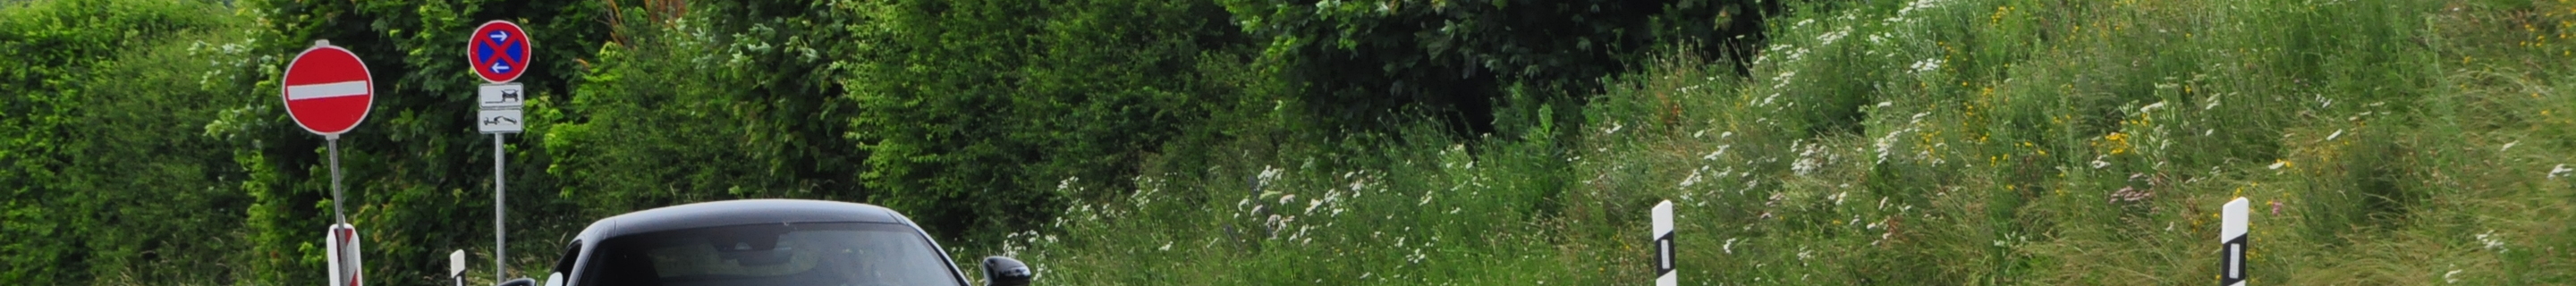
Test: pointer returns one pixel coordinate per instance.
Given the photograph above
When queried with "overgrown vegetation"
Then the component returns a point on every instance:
(1189, 142)
(1933, 142)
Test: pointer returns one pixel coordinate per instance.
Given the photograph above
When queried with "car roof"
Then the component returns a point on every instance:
(738, 212)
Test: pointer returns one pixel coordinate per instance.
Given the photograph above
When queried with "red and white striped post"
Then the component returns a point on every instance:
(342, 247)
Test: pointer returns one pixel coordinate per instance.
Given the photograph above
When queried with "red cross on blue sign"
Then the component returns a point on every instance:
(500, 51)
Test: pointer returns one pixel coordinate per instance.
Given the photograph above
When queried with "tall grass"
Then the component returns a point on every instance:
(1929, 143)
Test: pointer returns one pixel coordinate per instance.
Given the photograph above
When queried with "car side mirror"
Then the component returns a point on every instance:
(519, 282)
(1004, 271)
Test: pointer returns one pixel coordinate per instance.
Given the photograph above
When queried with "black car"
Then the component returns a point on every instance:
(764, 242)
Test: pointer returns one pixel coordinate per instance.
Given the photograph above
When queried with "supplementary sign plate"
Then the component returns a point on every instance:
(500, 108)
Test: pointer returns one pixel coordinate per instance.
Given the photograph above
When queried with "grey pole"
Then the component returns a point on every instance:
(500, 244)
(336, 212)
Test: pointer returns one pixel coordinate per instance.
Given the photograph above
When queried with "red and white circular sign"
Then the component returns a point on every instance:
(328, 91)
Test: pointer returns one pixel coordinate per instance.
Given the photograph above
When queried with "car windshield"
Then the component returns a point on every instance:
(819, 254)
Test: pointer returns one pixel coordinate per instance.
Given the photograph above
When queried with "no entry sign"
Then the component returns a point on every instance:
(500, 51)
(328, 90)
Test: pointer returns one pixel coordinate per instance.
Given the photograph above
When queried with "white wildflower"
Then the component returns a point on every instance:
(1886, 143)
(1167, 246)
(1924, 66)
(1829, 37)
(1918, 5)
(2098, 163)
(1311, 205)
(1614, 128)
(2492, 241)
(2447, 279)
(1268, 174)
(1807, 163)
(1729, 248)
(1692, 180)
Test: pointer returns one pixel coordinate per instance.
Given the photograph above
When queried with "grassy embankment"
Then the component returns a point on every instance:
(1931, 143)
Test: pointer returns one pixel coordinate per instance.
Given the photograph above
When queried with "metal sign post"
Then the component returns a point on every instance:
(500, 116)
(338, 215)
(1663, 232)
(498, 51)
(328, 91)
(341, 242)
(500, 236)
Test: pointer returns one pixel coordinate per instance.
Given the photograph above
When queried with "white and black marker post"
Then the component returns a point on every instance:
(456, 266)
(498, 51)
(1663, 214)
(2231, 234)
